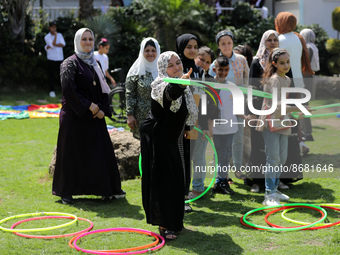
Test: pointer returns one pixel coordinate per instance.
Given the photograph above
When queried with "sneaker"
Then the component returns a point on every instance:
(303, 149)
(187, 208)
(223, 188)
(283, 186)
(52, 94)
(255, 188)
(67, 200)
(193, 194)
(122, 194)
(280, 196)
(271, 200)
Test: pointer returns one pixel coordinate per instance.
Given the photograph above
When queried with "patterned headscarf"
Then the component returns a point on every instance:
(88, 58)
(158, 86)
(263, 53)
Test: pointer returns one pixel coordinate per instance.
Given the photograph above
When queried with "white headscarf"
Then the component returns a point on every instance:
(141, 64)
(309, 36)
(263, 53)
(158, 86)
(88, 58)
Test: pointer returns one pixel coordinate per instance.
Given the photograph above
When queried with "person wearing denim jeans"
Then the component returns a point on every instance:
(276, 151)
(223, 144)
(238, 144)
(199, 163)
(223, 132)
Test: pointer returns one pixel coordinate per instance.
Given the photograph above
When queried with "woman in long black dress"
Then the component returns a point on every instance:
(163, 180)
(187, 50)
(86, 163)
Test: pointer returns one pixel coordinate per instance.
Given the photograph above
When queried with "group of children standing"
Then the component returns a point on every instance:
(232, 69)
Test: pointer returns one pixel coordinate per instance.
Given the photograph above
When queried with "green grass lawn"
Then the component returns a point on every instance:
(26, 148)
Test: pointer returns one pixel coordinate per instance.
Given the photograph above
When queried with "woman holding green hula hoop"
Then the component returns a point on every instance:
(164, 179)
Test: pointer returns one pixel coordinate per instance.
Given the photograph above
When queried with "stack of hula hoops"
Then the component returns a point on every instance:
(288, 207)
(157, 244)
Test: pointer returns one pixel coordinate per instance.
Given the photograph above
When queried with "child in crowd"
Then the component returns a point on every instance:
(238, 74)
(224, 133)
(101, 56)
(204, 59)
(245, 51)
(276, 142)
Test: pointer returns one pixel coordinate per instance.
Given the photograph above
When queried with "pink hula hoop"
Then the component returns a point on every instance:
(54, 236)
(118, 229)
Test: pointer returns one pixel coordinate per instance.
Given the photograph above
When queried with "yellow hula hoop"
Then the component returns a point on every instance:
(306, 223)
(38, 214)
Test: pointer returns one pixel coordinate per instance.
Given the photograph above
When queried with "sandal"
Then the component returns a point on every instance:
(230, 181)
(167, 234)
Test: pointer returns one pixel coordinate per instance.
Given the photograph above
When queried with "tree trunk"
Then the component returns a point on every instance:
(16, 11)
(85, 9)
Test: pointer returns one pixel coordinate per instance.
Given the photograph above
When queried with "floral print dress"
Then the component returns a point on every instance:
(138, 98)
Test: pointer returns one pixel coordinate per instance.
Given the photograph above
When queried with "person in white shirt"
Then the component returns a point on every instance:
(54, 48)
(101, 56)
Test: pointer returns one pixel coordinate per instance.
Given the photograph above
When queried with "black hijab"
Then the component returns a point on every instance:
(181, 43)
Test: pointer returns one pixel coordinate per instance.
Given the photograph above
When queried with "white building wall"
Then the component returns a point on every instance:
(320, 12)
(288, 6)
(310, 12)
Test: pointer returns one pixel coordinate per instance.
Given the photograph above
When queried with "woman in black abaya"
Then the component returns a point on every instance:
(85, 163)
(163, 180)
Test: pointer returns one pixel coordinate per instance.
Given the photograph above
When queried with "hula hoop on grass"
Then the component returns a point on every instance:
(140, 231)
(54, 236)
(279, 209)
(70, 243)
(319, 226)
(244, 224)
(212, 180)
(37, 214)
(323, 217)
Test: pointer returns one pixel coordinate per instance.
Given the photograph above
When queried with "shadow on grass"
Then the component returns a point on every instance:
(311, 190)
(109, 208)
(201, 243)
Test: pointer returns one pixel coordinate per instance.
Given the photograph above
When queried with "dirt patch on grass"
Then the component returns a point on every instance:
(44, 178)
(313, 242)
(268, 247)
(334, 122)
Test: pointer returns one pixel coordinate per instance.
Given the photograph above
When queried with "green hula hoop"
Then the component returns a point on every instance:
(215, 174)
(38, 214)
(304, 223)
(284, 229)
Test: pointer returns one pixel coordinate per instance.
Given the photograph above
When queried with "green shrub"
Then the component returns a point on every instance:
(103, 26)
(333, 46)
(67, 26)
(247, 25)
(336, 18)
(334, 64)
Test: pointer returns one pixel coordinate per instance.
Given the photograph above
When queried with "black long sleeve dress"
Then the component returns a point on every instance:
(163, 176)
(85, 163)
